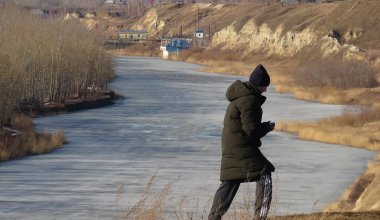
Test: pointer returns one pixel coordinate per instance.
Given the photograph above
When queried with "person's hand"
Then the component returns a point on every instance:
(272, 124)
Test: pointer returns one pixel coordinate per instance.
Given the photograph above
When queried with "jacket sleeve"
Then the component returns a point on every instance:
(251, 114)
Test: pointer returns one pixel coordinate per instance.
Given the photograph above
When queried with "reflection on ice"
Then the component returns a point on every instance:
(169, 124)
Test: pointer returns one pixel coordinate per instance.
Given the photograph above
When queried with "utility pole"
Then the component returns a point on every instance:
(198, 17)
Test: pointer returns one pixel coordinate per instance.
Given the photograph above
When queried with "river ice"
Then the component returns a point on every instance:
(169, 125)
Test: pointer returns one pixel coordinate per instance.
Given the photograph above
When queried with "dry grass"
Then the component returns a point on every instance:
(355, 116)
(336, 73)
(27, 141)
(363, 194)
(148, 50)
(23, 123)
(358, 127)
(153, 205)
(355, 192)
(332, 216)
(332, 80)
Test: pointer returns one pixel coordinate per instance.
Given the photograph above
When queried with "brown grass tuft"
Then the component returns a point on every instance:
(23, 122)
(24, 140)
(151, 205)
(45, 142)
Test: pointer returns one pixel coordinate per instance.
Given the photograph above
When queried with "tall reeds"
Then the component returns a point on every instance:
(47, 60)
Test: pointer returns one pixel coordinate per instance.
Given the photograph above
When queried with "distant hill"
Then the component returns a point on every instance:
(280, 29)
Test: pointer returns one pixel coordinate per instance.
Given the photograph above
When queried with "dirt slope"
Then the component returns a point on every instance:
(283, 30)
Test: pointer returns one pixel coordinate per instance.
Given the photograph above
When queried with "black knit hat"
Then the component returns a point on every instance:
(259, 76)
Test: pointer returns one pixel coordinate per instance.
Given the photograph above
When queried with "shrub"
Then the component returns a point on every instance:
(355, 116)
(337, 73)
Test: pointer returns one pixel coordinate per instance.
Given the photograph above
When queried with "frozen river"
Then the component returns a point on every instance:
(169, 125)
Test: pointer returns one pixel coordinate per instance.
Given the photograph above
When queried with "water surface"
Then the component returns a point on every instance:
(169, 125)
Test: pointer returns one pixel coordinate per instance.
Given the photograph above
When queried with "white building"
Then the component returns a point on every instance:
(112, 2)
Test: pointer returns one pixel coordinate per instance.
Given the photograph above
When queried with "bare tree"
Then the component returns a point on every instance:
(54, 62)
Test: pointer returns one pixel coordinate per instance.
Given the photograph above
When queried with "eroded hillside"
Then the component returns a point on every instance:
(276, 29)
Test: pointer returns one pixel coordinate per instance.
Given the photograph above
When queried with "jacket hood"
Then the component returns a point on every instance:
(239, 89)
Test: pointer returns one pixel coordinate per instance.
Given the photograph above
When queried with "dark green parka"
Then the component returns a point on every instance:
(241, 157)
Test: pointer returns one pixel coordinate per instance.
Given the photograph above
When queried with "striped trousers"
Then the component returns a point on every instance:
(227, 191)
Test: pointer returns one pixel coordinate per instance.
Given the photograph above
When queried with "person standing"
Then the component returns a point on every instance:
(242, 160)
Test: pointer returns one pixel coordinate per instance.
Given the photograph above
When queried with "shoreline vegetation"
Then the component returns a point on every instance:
(59, 66)
(21, 139)
(153, 205)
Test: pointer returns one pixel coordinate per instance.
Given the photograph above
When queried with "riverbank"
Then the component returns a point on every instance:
(332, 216)
(91, 100)
(19, 138)
(359, 128)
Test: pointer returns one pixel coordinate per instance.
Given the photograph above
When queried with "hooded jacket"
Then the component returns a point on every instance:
(242, 131)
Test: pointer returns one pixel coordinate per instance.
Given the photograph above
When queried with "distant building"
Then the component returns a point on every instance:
(202, 37)
(306, 1)
(109, 2)
(175, 45)
(112, 2)
(135, 35)
(39, 12)
(289, 1)
(199, 34)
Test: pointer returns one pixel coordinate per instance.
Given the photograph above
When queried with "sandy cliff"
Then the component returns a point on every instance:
(274, 29)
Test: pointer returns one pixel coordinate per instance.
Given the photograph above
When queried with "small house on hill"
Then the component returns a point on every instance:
(133, 35)
(37, 11)
(202, 37)
(199, 34)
